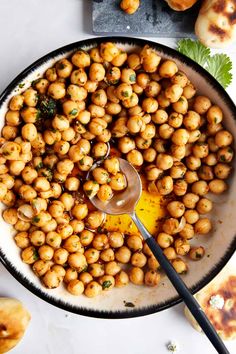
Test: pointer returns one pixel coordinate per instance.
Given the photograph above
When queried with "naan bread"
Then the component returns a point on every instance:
(218, 300)
(216, 23)
(14, 319)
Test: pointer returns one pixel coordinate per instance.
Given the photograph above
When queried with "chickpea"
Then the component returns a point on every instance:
(149, 105)
(193, 162)
(37, 238)
(180, 137)
(203, 226)
(95, 219)
(168, 69)
(113, 108)
(123, 254)
(201, 104)
(51, 74)
(189, 91)
(190, 200)
(149, 155)
(53, 239)
(92, 255)
(170, 226)
(135, 124)
(164, 161)
(160, 117)
(100, 175)
(178, 170)
(85, 277)
(30, 97)
(191, 120)
(77, 261)
(72, 244)
(175, 120)
(222, 170)
(112, 268)
(141, 143)
(119, 59)
(62, 147)
(165, 185)
(22, 239)
(56, 189)
(60, 122)
(118, 182)
(112, 165)
(96, 72)
(136, 276)
(86, 237)
(29, 255)
(99, 150)
(7, 180)
(225, 154)
(9, 132)
(135, 158)
(51, 279)
(65, 230)
(196, 253)
(100, 242)
(153, 173)
(107, 282)
(152, 89)
(173, 93)
(178, 151)
(134, 61)
(164, 240)
(176, 209)
(170, 253)
(77, 93)
(46, 252)
(223, 138)
(150, 59)
(180, 266)
(163, 100)
(105, 193)
(79, 77)
(12, 118)
(27, 192)
(191, 216)
(138, 259)
(8, 199)
(149, 132)
(200, 187)
(165, 131)
(93, 289)
(10, 216)
(214, 115)
(121, 279)
(205, 173)
(217, 186)
(151, 278)
(16, 102)
(187, 232)
(108, 51)
(212, 129)
(41, 267)
(57, 90)
(182, 246)
(11, 150)
(41, 85)
(75, 287)
(204, 206)
(181, 106)
(107, 255)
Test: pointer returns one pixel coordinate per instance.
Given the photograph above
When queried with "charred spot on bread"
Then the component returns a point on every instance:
(219, 6)
(218, 31)
(232, 17)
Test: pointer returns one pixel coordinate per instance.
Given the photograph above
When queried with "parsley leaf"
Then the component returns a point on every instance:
(194, 50)
(218, 65)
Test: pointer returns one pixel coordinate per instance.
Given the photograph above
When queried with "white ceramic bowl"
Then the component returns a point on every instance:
(219, 244)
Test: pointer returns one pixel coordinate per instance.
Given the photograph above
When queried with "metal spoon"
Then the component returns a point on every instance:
(124, 203)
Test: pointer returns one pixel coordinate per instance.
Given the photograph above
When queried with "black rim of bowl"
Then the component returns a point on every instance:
(126, 313)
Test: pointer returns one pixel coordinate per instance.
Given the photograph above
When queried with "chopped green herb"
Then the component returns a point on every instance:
(36, 219)
(132, 78)
(106, 284)
(81, 162)
(40, 165)
(129, 304)
(21, 85)
(73, 112)
(89, 192)
(125, 94)
(35, 255)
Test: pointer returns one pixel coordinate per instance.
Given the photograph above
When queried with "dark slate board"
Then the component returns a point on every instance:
(153, 18)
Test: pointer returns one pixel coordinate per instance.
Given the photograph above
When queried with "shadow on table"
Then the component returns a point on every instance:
(87, 16)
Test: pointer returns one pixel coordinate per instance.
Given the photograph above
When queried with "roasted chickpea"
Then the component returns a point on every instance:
(152, 278)
(196, 253)
(217, 186)
(46, 252)
(178, 151)
(164, 161)
(182, 246)
(22, 239)
(222, 170)
(170, 253)
(164, 240)
(175, 120)
(191, 120)
(203, 226)
(107, 255)
(100, 242)
(108, 51)
(180, 137)
(149, 155)
(29, 255)
(51, 279)
(181, 106)
(112, 165)
(152, 89)
(214, 115)
(153, 264)
(10, 216)
(37, 238)
(134, 61)
(201, 104)
(118, 182)
(176, 209)
(160, 116)
(168, 69)
(136, 276)
(100, 175)
(193, 162)
(190, 200)
(200, 187)
(191, 216)
(93, 289)
(95, 219)
(123, 254)
(165, 185)
(105, 192)
(165, 131)
(112, 268)
(187, 232)
(135, 158)
(149, 105)
(99, 150)
(12, 118)
(41, 267)
(223, 138)
(121, 279)
(153, 173)
(178, 170)
(180, 266)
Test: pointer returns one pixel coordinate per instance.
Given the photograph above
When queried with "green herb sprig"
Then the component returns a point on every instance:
(218, 65)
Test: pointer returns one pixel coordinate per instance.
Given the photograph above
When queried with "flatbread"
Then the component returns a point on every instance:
(218, 300)
(14, 319)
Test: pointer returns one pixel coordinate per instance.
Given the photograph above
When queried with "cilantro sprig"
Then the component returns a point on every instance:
(218, 65)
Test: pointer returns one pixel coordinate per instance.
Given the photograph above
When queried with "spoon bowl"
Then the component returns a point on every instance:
(123, 202)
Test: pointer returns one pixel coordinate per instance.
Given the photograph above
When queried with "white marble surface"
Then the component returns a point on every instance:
(28, 30)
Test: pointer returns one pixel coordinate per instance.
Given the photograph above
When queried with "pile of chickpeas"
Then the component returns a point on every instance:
(100, 105)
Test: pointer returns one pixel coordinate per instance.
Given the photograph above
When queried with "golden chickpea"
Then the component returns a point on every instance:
(138, 259)
(178, 151)
(96, 72)
(136, 276)
(200, 187)
(112, 165)
(60, 122)
(59, 270)
(170, 226)
(57, 90)
(130, 102)
(16, 167)
(150, 59)
(149, 132)
(96, 270)
(91, 188)
(99, 150)
(16, 102)
(190, 200)
(191, 120)
(141, 143)
(181, 106)
(86, 237)
(112, 268)
(205, 173)
(180, 266)
(201, 104)
(135, 124)
(107, 255)
(176, 209)
(118, 182)
(175, 120)
(105, 193)
(51, 136)
(164, 161)
(200, 150)
(165, 185)
(107, 282)
(163, 100)
(160, 116)
(9, 198)
(71, 274)
(79, 77)
(75, 287)
(204, 206)
(85, 277)
(225, 154)
(21, 225)
(153, 173)
(93, 289)
(179, 78)
(193, 162)
(182, 246)
(64, 68)
(191, 216)
(7, 180)
(197, 253)
(194, 135)
(149, 155)
(56, 189)
(121, 279)
(99, 98)
(3, 190)
(212, 129)
(170, 253)
(214, 115)
(135, 158)
(41, 267)
(123, 254)
(152, 278)
(178, 170)
(77, 93)
(67, 200)
(29, 255)
(30, 97)
(189, 91)
(187, 232)
(72, 244)
(60, 256)
(46, 252)
(180, 137)
(22, 239)
(9, 132)
(77, 261)
(53, 239)
(134, 61)
(100, 242)
(126, 145)
(164, 240)
(223, 138)
(41, 85)
(149, 105)
(13, 118)
(100, 175)
(65, 230)
(10, 216)
(11, 150)
(166, 131)
(51, 279)
(95, 219)
(27, 192)
(95, 55)
(217, 186)
(119, 59)
(203, 226)
(173, 93)
(37, 238)
(222, 170)
(168, 69)
(152, 263)
(108, 51)
(51, 74)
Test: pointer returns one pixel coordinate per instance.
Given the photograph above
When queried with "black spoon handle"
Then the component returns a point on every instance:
(182, 289)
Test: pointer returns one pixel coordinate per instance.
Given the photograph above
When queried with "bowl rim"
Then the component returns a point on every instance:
(211, 274)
